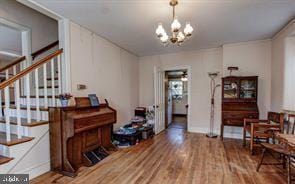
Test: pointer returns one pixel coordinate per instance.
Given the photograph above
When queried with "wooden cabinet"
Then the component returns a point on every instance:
(239, 100)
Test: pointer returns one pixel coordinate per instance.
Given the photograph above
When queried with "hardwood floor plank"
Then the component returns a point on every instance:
(175, 156)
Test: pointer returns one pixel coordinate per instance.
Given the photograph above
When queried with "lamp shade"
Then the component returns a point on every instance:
(160, 30)
(188, 30)
(175, 26)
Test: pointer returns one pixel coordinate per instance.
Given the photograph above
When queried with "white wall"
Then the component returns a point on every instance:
(44, 29)
(106, 70)
(289, 75)
(253, 58)
(200, 63)
(278, 67)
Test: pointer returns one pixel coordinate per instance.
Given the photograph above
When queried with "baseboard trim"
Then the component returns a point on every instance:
(36, 170)
(234, 135)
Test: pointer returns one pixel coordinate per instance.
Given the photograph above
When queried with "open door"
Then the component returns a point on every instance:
(159, 98)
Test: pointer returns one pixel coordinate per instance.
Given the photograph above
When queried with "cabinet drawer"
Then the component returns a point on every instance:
(88, 123)
(238, 115)
(233, 122)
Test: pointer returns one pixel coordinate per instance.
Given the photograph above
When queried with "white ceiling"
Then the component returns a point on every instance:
(131, 24)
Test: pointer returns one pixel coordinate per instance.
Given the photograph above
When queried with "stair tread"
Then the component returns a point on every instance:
(24, 122)
(24, 107)
(4, 159)
(14, 139)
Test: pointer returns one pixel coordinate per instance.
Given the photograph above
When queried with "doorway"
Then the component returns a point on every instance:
(176, 98)
(15, 42)
(164, 113)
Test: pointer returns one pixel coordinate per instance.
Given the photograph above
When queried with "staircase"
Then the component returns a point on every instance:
(26, 92)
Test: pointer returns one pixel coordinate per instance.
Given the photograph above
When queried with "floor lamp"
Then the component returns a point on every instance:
(213, 87)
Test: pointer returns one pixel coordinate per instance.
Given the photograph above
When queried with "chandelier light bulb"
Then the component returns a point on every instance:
(160, 30)
(188, 29)
(164, 38)
(177, 35)
(180, 37)
(175, 26)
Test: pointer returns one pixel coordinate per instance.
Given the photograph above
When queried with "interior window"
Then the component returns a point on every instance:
(176, 89)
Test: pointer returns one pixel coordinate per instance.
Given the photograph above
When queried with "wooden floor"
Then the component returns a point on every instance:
(178, 122)
(175, 156)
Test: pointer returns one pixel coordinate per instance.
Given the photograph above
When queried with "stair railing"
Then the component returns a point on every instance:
(44, 49)
(16, 64)
(13, 65)
(54, 59)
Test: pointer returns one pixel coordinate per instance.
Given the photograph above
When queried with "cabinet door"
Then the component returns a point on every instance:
(230, 89)
(248, 89)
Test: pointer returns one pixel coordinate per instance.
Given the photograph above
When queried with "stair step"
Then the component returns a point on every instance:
(40, 96)
(4, 159)
(42, 87)
(14, 140)
(24, 122)
(24, 107)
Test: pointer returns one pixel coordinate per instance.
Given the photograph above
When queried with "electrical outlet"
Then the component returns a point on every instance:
(81, 86)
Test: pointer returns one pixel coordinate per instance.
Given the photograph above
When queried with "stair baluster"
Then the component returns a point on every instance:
(7, 112)
(28, 101)
(52, 82)
(59, 74)
(7, 74)
(28, 76)
(37, 95)
(1, 109)
(45, 85)
(17, 103)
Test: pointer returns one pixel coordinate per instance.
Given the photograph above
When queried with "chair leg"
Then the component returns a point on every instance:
(283, 161)
(244, 137)
(261, 161)
(252, 140)
(252, 145)
(288, 170)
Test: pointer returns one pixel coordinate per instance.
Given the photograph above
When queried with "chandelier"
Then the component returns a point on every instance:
(177, 37)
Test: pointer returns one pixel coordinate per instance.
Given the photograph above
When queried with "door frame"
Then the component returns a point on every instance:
(189, 82)
(159, 99)
(25, 36)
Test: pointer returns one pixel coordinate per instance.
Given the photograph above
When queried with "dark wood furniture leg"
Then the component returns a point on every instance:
(221, 132)
(244, 135)
(288, 170)
(261, 161)
(252, 140)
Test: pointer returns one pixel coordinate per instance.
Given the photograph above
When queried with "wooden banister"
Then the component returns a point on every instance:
(29, 69)
(16, 61)
(44, 49)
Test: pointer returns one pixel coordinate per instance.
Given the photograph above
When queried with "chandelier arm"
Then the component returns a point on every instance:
(177, 36)
(173, 12)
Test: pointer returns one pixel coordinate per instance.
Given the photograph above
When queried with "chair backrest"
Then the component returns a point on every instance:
(276, 118)
(290, 124)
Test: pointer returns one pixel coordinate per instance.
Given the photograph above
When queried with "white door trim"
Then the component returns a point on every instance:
(25, 36)
(188, 68)
(159, 100)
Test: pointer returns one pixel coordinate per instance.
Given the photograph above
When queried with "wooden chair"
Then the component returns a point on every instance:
(261, 130)
(286, 156)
